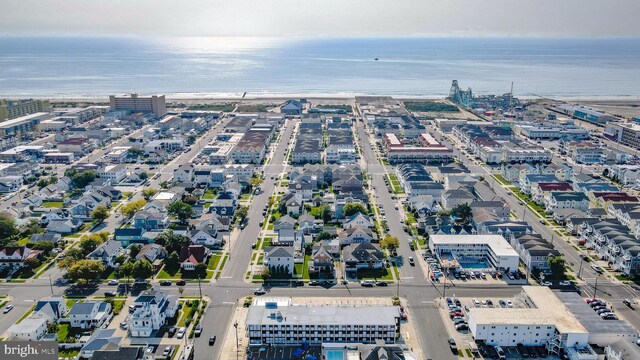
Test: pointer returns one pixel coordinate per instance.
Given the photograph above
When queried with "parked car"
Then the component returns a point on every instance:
(382, 283)
(113, 282)
(165, 283)
(453, 346)
(546, 283)
(180, 333)
(167, 351)
(198, 331)
(597, 268)
(123, 325)
(110, 293)
(565, 283)
(172, 331)
(181, 283)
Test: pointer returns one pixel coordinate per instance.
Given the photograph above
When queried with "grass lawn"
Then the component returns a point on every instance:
(266, 242)
(185, 311)
(245, 197)
(213, 261)
(65, 331)
(163, 274)
(394, 184)
(52, 204)
(71, 353)
(224, 262)
(499, 178)
(375, 274)
(117, 306)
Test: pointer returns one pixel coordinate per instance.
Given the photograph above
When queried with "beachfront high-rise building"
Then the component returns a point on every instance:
(136, 103)
(11, 109)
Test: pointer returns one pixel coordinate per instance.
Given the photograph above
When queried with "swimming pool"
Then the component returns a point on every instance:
(335, 354)
(477, 265)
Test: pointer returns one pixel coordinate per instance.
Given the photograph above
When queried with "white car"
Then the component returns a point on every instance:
(7, 309)
(180, 333)
(565, 283)
(113, 282)
(546, 283)
(509, 303)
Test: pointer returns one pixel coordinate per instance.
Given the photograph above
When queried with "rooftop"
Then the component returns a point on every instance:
(497, 243)
(272, 314)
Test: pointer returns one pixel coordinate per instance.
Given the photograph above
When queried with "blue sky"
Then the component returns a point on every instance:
(326, 18)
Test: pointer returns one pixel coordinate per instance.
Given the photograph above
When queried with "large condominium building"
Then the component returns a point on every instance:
(21, 127)
(11, 109)
(625, 133)
(277, 321)
(152, 104)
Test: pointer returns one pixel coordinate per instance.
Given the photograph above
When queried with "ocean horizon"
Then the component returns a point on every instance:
(87, 67)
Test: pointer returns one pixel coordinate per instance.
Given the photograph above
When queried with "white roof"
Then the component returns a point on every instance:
(28, 325)
(546, 309)
(497, 243)
(164, 196)
(19, 120)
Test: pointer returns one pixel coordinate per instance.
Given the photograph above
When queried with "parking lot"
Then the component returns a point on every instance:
(470, 276)
(280, 352)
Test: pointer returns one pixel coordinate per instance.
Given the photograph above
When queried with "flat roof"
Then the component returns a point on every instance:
(164, 196)
(590, 319)
(546, 309)
(322, 315)
(497, 243)
(16, 121)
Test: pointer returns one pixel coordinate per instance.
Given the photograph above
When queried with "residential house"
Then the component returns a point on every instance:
(566, 200)
(192, 255)
(357, 219)
(15, 256)
(207, 236)
(153, 253)
(52, 237)
(534, 251)
(605, 199)
(115, 173)
(288, 237)
(107, 253)
(291, 107)
(153, 308)
(542, 190)
(30, 329)
(100, 343)
(184, 174)
(304, 188)
(309, 224)
(453, 198)
(500, 208)
(280, 259)
(64, 226)
(121, 353)
(151, 219)
(321, 260)
(285, 222)
(362, 256)
(528, 182)
(10, 183)
(355, 235)
(128, 236)
(89, 314)
(54, 307)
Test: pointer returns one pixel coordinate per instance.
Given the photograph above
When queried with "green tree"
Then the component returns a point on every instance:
(45, 246)
(556, 263)
(164, 184)
(147, 193)
(135, 151)
(351, 208)
(7, 226)
(33, 263)
(190, 199)
(30, 227)
(323, 235)
(242, 212)
(172, 261)
(181, 210)
(255, 182)
(42, 183)
(125, 270)
(172, 242)
(462, 212)
(201, 270)
(71, 257)
(327, 215)
(134, 250)
(142, 269)
(390, 242)
(86, 270)
(89, 243)
(53, 179)
(132, 207)
(82, 179)
(266, 273)
(100, 214)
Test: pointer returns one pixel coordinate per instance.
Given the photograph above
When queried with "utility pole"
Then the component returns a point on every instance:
(199, 287)
(51, 285)
(398, 288)
(595, 288)
(444, 283)
(580, 269)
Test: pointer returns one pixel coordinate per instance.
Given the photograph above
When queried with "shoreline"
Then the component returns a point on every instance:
(227, 97)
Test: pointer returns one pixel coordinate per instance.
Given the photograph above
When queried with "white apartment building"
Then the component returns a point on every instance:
(152, 309)
(115, 173)
(135, 103)
(493, 250)
(278, 321)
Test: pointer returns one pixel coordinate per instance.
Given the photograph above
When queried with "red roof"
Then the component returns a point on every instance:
(615, 196)
(555, 186)
(194, 254)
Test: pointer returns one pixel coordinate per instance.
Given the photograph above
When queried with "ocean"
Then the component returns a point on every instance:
(61, 67)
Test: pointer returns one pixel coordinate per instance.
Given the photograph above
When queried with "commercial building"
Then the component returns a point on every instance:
(57, 157)
(278, 321)
(561, 322)
(625, 133)
(11, 109)
(461, 250)
(428, 149)
(584, 113)
(20, 126)
(78, 146)
(252, 148)
(135, 103)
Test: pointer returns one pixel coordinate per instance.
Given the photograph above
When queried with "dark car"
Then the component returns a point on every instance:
(382, 283)
(110, 293)
(453, 346)
(181, 283)
(172, 331)
(165, 283)
(523, 351)
(297, 283)
(532, 352)
(458, 303)
(212, 340)
(198, 331)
